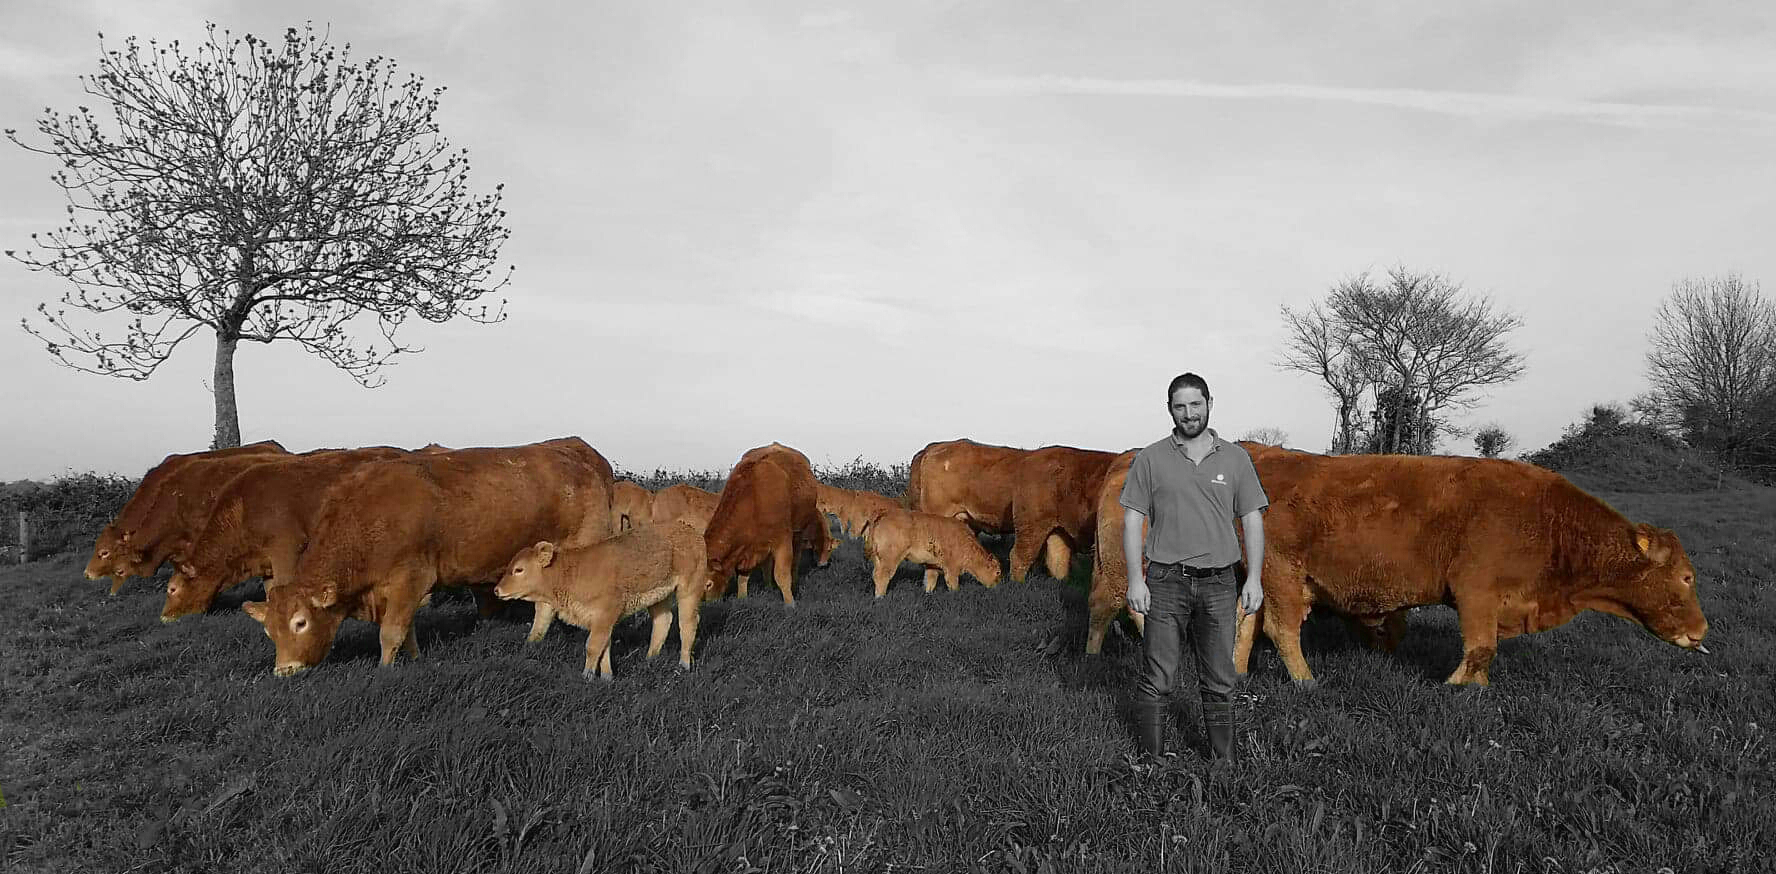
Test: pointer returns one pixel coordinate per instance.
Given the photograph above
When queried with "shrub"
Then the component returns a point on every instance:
(64, 514)
(1609, 451)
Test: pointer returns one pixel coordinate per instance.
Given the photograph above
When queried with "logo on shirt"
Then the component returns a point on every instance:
(1221, 478)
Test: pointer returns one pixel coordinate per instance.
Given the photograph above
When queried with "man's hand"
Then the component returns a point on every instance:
(1252, 596)
(1139, 599)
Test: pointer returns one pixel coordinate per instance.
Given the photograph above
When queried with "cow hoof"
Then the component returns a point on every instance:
(1307, 685)
(594, 677)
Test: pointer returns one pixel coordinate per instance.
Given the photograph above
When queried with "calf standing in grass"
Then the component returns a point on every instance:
(940, 543)
(595, 586)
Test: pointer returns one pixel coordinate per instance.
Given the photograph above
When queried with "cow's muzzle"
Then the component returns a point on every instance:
(289, 670)
(1690, 643)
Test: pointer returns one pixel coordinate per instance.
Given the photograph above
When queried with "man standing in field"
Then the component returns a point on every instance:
(1189, 486)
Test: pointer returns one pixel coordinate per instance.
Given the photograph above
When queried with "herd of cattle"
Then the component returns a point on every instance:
(368, 533)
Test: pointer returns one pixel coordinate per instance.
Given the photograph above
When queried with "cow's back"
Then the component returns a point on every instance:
(464, 512)
(685, 502)
(965, 479)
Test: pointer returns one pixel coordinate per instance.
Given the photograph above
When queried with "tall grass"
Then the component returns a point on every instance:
(917, 733)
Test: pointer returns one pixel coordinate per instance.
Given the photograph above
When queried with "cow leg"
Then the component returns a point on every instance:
(1024, 546)
(1242, 641)
(539, 625)
(931, 575)
(598, 634)
(689, 602)
(411, 644)
(396, 619)
(117, 581)
(826, 544)
(1479, 626)
(743, 576)
(952, 578)
(661, 614)
(882, 570)
(1058, 555)
(783, 568)
(1286, 605)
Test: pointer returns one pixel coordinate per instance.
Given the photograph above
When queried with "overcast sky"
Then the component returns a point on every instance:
(860, 228)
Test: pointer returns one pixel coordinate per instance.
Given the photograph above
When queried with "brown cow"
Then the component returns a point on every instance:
(115, 537)
(593, 587)
(388, 532)
(1055, 506)
(178, 512)
(258, 525)
(1109, 586)
(1512, 547)
(631, 505)
(853, 509)
(768, 510)
(940, 543)
(965, 480)
(686, 503)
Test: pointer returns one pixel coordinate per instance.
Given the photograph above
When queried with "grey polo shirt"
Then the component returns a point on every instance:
(1190, 506)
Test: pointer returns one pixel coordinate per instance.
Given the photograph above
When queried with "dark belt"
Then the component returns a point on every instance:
(1198, 572)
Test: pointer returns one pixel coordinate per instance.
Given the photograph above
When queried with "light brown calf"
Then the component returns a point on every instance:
(631, 505)
(854, 509)
(940, 543)
(692, 505)
(593, 587)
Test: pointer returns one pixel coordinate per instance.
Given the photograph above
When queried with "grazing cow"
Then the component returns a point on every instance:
(1512, 547)
(631, 505)
(1055, 506)
(940, 543)
(593, 587)
(178, 512)
(1109, 586)
(965, 480)
(388, 532)
(768, 510)
(108, 559)
(687, 503)
(853, 509)
(258, 526)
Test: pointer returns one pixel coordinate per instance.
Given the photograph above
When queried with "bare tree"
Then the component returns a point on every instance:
(1416, 346)
(1712, 366)
(1320, 347)
(1493, 441)
(263, 191)
(1268, 436)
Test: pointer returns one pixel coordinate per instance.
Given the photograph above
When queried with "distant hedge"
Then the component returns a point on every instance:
(64, 514)
(1608, 451)
(855, 474)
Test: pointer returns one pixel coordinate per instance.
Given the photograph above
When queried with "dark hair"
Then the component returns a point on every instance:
(1188, 380)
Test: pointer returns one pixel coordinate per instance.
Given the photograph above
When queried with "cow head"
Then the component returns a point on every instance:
(189, 591)
(109, 545)
(983, 565)
(525, 574)
(301, 620)
(1659, 589)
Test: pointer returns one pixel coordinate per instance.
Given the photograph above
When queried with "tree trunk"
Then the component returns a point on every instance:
(227, 413)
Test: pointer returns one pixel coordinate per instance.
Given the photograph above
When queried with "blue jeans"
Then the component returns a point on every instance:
(1207, 611)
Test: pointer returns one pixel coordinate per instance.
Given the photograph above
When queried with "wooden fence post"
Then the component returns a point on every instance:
(24, 536)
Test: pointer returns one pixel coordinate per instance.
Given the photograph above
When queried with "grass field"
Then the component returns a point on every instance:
(920, 733)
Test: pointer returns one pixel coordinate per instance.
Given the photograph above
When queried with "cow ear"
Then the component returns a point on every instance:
(1651, 545)
(545, 553)
(326, 597)
(186, 569)
(255, 609)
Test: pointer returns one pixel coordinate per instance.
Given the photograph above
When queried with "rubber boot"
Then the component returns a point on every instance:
(1218, 725)
(1150, 729)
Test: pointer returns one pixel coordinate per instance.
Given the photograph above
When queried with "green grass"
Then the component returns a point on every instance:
(919, 733)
